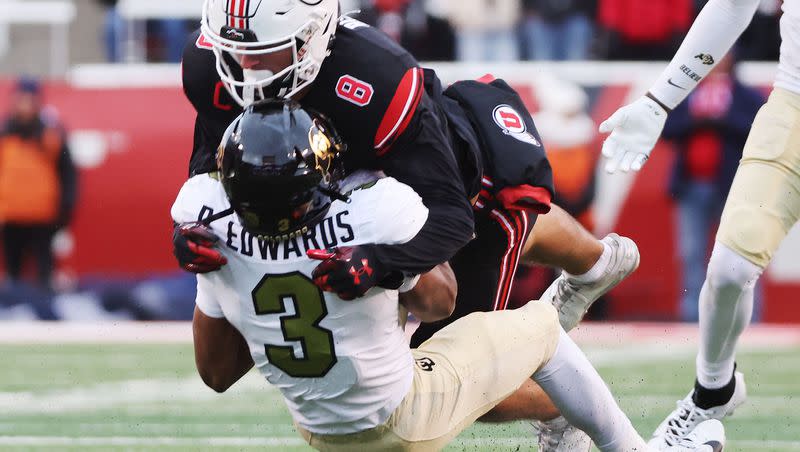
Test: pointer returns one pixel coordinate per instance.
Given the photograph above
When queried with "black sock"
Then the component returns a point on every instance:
(708, 398)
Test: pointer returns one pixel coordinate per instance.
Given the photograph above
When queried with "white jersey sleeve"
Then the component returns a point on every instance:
(712, 34)
(396, 211)
(205, 300)
(199, 197)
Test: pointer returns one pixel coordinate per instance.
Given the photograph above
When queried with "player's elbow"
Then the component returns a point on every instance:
(445, 307)
(434, 297)
(219, 383)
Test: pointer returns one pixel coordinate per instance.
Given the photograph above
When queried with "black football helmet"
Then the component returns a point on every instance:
(280, 166)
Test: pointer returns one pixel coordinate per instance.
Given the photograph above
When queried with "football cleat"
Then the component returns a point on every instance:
(687, 416)
(573, 298)
(557, 435)
(708, 436)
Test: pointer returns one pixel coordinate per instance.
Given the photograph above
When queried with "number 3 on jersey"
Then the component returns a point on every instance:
(309, 303)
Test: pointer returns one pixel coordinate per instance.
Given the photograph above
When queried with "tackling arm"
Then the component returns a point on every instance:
(423, 159)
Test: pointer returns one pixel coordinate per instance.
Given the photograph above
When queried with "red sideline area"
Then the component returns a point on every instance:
(122, 225)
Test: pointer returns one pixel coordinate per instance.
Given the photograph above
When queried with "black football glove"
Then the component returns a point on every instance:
(194, 248)
(351, 271)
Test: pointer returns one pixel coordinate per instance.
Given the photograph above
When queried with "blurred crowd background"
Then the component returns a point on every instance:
(96, 136)
(433, 30)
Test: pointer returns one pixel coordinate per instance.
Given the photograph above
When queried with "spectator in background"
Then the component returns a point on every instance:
(170, 36)
(644, 30)
(568, 133)
(426, 37)
(37, 183)
(484, 29)
(557, 29)
(113, 32)
(709, 130)
(761, 41)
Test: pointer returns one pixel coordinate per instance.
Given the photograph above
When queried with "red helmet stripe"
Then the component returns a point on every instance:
(229, 12)
(241, 13)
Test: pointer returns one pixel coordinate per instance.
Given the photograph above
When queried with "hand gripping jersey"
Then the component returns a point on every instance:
(342, 366)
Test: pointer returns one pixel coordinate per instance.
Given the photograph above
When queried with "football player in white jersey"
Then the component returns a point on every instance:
(763, 204)
(345, 369)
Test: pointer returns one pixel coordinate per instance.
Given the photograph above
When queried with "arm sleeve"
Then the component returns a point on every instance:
(423, 159)
(399, 214)
(205, 300)
(207, 136)
(713, 33)
(189, 199)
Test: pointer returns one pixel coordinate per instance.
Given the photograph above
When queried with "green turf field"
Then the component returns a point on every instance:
(148, 398)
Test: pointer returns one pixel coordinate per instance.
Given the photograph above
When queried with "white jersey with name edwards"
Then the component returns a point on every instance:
(342, 366)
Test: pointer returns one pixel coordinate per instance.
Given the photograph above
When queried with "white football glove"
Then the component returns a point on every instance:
(634, 128)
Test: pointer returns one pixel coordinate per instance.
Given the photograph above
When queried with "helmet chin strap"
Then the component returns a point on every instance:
(219, 215)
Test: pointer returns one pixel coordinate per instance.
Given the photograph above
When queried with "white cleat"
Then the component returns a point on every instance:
(573, 298)
(708, 436)
(687, 416)
(558, 435)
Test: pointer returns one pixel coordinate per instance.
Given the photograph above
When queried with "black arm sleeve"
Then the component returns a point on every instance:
(207, 135)
(423, 159)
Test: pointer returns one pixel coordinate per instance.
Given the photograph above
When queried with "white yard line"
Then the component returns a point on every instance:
(108, 395)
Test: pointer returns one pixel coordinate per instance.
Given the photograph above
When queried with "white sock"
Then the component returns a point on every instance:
(596, 271)
(726, 305)
(584, 399)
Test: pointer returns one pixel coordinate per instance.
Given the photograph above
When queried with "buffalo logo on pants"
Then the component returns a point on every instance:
(425, 364)
(512, 124)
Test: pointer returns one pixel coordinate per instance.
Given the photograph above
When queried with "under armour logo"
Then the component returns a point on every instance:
(234, 34)
(364, 269)
(425, 364)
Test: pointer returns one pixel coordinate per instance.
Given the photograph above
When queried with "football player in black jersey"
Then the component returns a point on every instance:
(471, 151)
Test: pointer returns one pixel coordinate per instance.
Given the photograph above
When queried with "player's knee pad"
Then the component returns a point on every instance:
(730, 272)
(753, 231)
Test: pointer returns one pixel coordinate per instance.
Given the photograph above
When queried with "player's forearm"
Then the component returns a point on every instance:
(713, 33)
(434, 296)
(445, 232)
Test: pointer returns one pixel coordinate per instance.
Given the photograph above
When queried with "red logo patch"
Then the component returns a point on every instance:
(513, 124)
(508, 119)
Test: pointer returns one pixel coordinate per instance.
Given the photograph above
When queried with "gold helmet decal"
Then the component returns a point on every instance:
(322, 148)
(220, 155)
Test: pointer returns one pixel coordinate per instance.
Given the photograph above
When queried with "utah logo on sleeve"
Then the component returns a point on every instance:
(512, 124)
